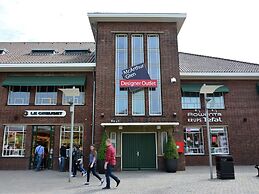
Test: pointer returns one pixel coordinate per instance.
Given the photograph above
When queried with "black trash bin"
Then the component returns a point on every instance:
(225, 167)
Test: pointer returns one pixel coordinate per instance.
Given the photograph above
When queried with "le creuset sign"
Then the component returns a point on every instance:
(137, 77)
(199, 117)
(44, 113)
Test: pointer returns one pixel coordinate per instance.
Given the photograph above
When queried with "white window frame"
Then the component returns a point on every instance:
(162, 141)
(17, 104)
(113, 140)
(219, 128)
(222, 103)
(23, 131)
(200, 131)
(138, 95)
(50, 99)
(76, 97)
(188, 108)
(117, 79)
(80, 127)
(158, 79)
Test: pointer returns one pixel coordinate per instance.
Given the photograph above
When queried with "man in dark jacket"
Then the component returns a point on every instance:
(76, 154)
(63, 156)
(110, 162)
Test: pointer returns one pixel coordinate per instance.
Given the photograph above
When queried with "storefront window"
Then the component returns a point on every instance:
(14, 137)
(46, 95)
(191, 100)
(193, 140)
(79, 100)
(219, 140)
(163, 141)
(19, 95)
(137, 57)
(217, 101)
(113, 138)
(121, 63)
(153, 52)
(77, 135)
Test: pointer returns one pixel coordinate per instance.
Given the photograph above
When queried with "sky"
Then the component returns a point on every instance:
(219, 28)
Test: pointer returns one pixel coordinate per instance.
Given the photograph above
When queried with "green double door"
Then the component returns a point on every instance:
(138, 151)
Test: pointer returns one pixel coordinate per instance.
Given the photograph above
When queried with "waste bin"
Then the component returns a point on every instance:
(225, 167)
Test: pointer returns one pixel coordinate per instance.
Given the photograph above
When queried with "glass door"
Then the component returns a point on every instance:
(43, 135)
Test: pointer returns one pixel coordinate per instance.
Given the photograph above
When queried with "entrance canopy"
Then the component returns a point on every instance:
(196, 87)
(141, 124)
(44, 81)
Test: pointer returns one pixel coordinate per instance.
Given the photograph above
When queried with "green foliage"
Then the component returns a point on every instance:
(102, 148)
(171, 149)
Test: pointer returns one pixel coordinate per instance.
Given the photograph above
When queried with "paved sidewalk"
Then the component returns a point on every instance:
(193, 180)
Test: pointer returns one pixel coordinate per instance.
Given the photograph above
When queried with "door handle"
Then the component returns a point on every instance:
(138, 153)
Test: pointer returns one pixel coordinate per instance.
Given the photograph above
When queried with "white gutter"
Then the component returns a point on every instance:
(141, 124)
(46, 67)
(222, 75)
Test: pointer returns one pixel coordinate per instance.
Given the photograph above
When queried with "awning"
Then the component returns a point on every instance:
(196, 88)
(141, 124)
(44, 81)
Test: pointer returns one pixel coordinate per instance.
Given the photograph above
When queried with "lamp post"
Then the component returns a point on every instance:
(72, 92)
(208, 89)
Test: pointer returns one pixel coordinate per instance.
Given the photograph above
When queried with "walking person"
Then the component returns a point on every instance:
(75, 157)
(39, 155)
(92, 165)
(110, 162)
(63, 155)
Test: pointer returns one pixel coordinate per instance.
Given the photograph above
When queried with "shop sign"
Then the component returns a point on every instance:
(137, 77)
(44, 113)
(200, 117)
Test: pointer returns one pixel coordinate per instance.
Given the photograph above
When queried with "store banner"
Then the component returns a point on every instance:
(136, 78)
(44, 113)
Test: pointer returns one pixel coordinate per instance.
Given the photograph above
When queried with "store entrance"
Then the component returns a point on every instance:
(43, 135)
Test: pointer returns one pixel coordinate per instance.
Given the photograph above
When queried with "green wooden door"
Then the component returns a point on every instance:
(138, 151)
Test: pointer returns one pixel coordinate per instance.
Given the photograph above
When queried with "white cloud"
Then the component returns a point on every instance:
(218, 28)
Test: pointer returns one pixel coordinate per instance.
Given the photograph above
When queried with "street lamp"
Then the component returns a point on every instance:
(71, 92)
(208, 89)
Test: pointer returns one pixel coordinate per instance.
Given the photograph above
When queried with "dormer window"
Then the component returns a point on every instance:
(3, 51)
(43, 52)
(77, 52)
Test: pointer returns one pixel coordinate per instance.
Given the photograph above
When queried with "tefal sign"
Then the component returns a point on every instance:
(137, 77)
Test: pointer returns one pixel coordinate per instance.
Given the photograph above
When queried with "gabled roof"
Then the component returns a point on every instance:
(20, 52)
(192, 63)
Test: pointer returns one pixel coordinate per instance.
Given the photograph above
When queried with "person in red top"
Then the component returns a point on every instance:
(110, 162)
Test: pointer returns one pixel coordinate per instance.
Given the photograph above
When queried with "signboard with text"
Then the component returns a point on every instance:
(44, 113)
(199, 117)
(137, 77)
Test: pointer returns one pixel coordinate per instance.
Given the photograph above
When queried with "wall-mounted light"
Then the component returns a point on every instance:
(120, 127)
(173, 80)
(158, 127)
(102, 114)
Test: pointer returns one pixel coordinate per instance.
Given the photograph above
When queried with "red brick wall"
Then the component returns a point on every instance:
(14, 115)
(105, 70)
(241, 103)
(106, 67)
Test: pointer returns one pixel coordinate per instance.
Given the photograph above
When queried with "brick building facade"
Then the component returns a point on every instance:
(137, 121)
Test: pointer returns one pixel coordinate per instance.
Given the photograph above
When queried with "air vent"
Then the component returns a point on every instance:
(77, 52)
(43, 52)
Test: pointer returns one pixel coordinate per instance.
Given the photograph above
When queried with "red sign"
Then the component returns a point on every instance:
(180, 146)
(138, 83)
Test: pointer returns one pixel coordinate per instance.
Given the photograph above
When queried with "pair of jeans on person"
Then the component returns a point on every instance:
(39, 161)
(62, 164)
(108, 174)
(81, 168)
(93, 170)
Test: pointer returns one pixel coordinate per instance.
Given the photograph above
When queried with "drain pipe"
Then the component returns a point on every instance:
(93, 112)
